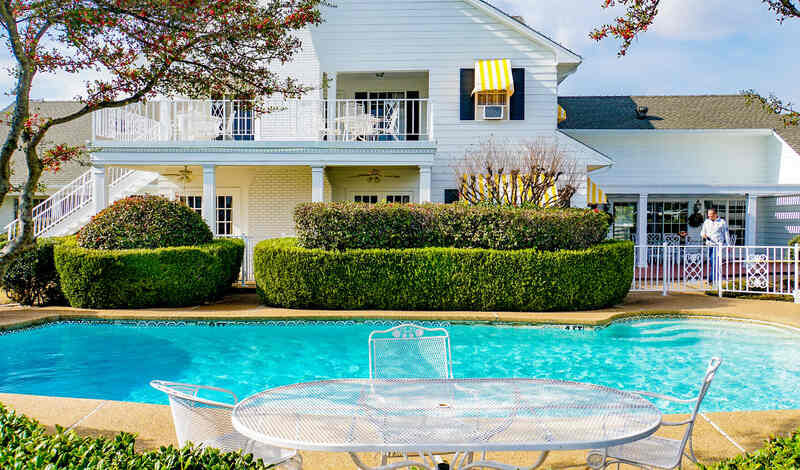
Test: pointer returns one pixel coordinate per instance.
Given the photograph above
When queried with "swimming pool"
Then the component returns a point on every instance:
(116, 360)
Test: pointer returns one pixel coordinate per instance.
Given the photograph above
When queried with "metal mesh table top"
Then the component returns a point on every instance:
(445, 415)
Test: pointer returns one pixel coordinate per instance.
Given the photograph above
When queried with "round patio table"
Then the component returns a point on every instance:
(427, 416)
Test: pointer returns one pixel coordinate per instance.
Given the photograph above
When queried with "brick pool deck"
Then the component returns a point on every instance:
(153, 423)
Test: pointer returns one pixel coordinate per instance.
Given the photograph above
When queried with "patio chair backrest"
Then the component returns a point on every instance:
(197, 419)
(410, 351)
(711, 371)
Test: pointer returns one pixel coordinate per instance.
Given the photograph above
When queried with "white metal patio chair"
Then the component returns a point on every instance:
(207, 423)
(410, 351)
(655, 451)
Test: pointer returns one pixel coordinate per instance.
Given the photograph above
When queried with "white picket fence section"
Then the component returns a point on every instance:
(744, 269)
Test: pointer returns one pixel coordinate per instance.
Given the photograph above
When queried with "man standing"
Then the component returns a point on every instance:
(715, 234)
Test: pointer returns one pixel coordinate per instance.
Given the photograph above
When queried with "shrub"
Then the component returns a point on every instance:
(144, 222)
(163, 277)
(346, 225)
(443, 278)
(781, 452)
(25, 444)
(32, 279)
(794, 240)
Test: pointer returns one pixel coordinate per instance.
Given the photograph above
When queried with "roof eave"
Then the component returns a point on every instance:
(563, 55)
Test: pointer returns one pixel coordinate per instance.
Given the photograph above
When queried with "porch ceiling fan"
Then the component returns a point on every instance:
(374, 175)
(184, 175)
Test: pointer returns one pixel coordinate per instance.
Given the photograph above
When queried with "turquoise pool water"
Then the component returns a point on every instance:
(117, 360)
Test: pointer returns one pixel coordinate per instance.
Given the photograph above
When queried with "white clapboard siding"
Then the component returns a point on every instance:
(778, 221)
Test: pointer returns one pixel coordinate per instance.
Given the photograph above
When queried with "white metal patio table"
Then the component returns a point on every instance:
(427, 416)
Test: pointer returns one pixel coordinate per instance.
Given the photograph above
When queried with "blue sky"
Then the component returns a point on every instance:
(695, 47)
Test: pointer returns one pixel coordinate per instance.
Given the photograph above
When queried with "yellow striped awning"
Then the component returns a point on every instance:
(503, 183)
(594, 195)
(562, 115)
(493, 75)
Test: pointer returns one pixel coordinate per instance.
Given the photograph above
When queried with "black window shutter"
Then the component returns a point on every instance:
(517, 112)
(467, 106)
(450, 196)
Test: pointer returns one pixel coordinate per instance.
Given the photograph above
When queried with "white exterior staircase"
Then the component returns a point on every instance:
(71, 207)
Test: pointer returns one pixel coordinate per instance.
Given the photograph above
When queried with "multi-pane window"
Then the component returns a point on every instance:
(194, 202)
(398, 198)
(367, 198)
(667, 216)
(224, 215)
(734, 211)
(624, 225)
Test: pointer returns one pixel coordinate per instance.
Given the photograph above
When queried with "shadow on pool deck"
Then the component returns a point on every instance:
(153, 424)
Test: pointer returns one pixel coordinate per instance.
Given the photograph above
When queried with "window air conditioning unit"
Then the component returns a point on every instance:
(494, 111)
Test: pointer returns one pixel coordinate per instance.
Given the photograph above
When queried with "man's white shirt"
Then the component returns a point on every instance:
(716, 232)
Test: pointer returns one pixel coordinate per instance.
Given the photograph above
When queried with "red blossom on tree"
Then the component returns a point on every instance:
(146, 48)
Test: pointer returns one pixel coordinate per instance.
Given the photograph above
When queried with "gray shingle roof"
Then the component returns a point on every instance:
(73, 133)
(673, 112)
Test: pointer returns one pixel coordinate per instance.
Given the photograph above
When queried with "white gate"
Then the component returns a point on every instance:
(745, 269)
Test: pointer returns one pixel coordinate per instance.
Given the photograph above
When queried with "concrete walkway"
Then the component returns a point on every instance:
(730, 433)
(245, 306)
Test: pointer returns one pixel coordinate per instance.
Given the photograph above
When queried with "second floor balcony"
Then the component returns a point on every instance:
(290, 120)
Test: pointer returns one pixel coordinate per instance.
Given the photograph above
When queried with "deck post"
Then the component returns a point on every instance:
(751, 220)
(317, 183)
(209, 202)
(664, 259)
(424, 183)
(641, 229)
(796, 291)
(99, 187)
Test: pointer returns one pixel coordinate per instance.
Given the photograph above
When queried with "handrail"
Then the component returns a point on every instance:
(66, 201)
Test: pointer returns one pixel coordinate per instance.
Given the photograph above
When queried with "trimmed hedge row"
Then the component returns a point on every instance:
(162, 277)
(25, 445)
(349, 225)
(443, 278)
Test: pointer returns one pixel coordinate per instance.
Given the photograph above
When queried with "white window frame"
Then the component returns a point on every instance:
(381, 195)
(233, 193)
(491, 99)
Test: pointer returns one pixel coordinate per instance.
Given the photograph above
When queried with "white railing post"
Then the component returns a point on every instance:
(664, 259)
(796, 291)
(718, 270)
(243, 274)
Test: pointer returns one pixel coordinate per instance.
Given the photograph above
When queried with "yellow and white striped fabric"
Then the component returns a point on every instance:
(594, 195)
(562, 115)
(551, 195)
(493, 75)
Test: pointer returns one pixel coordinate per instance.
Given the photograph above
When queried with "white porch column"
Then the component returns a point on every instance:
(317, 184)
(209, 203)
(751, 222)
(99, 187)
(424, 184)
(641, 229)
(331, 102)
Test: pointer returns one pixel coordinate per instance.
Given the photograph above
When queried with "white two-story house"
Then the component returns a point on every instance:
(399, 92)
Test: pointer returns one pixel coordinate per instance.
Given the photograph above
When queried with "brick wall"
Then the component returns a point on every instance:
(273, 195)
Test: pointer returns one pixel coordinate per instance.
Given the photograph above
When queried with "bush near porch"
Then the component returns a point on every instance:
(347, 225)
(32, 279)
(288, 275)
(159, 277)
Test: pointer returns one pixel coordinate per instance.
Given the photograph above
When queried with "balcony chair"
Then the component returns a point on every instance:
(655, 451)
(207, 423)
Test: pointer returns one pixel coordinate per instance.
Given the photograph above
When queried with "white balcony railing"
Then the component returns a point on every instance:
(273, 120)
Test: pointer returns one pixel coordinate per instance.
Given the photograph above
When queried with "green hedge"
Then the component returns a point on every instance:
(443, 278)
(162, 277)
(779, 453)
(25, 445)
(349, 225)
(144, 222)
(31, 279)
